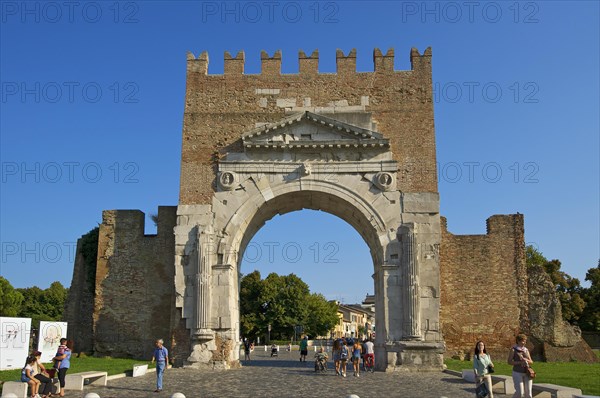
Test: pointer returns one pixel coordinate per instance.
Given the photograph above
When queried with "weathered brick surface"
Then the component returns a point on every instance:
(134, 283)
(220, 108)
(79, 306)
(482, 289)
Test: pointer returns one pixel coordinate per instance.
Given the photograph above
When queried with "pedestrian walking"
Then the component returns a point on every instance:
(161, 356)
(246, 349)
(343, 358)
(303, 348)
(356, 351)
(520, 359)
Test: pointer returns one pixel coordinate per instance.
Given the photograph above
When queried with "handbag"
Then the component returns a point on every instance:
(482, 391)
(530, 372)
(490, 369)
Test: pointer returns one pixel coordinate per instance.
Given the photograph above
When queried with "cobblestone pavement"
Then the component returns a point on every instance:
(284, 376)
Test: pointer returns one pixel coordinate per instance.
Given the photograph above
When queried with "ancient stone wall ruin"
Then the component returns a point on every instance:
(79, 306)
(134, 283)
(553, 339)
(489, 294)
(484, 287)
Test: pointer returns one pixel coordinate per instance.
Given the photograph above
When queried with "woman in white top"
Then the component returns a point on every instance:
(481, 365)
(27, 376)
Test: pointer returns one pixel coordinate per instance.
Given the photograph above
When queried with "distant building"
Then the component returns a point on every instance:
(354, 322)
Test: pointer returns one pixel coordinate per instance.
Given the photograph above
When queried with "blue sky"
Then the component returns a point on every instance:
(92, 103)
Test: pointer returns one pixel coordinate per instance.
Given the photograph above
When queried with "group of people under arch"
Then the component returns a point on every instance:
(349, 350)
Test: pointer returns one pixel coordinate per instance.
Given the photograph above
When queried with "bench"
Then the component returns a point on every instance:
(503, 384)
(75, 381)
(17, 388)
(139, 370)
(543, 390)
(500, 383)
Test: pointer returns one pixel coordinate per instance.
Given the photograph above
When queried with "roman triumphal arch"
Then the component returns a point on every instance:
(359, 145)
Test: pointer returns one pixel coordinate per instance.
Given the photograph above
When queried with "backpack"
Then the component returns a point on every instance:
(344, 352)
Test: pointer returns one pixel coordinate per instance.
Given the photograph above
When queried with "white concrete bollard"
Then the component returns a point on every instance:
(178, 395)
(91, 395)
(10, 395)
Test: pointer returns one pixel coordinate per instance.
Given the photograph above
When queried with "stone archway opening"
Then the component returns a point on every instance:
(317, 201)
(316, 246)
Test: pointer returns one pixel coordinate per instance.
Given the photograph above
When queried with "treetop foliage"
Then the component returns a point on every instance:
(580, 305)
(283, 302)
(33, 302)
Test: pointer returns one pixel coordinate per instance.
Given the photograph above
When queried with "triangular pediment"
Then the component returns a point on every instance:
(310, 130)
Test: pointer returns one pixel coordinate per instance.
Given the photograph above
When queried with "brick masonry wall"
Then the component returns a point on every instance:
(220, 108)
(134, 283)
(482, 291)
(79, 306)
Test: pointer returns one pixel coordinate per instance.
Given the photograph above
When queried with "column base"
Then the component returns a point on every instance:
(201, 354)
(217, 353)
(204, 334)
(415, 356)
(213, 365)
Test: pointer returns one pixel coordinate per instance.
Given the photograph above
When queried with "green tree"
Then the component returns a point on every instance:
(534, 257)
(590, 318)
(322, 315)
(250, 306)
(54, 300)
(43, 305)
(282, 302)
(10, 299)
(568, 289)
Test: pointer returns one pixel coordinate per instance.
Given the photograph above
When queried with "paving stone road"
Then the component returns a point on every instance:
(284, 376)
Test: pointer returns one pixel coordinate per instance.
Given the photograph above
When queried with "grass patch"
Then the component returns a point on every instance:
(111, 365)
(585, 376)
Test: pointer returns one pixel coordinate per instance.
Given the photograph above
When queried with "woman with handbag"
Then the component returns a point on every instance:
(521, 361)
(482, 366)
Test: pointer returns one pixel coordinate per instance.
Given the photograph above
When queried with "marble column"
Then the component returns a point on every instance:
(203, 330)
(410, 268)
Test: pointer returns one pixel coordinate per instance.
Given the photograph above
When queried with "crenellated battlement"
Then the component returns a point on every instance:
(309, 65)
(222, 105)
(270, 65)
(235, 65)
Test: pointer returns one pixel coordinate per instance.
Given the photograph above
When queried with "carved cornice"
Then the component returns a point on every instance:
(348, 135)
(244, 167)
